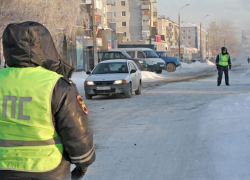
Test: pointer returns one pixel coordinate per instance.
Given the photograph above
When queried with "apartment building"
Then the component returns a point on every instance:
(132, 18)
(169, 30)
(190, 38)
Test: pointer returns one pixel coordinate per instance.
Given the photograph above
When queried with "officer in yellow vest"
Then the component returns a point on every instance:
(223, 61)
(44, 127)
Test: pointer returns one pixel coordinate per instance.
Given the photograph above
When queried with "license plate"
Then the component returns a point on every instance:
(162, 65)
(103, 88)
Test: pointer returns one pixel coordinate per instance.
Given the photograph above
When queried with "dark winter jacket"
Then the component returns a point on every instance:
(218, 57)
(30, 44)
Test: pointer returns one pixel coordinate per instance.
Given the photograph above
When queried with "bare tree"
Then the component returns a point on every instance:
(61, 17)
(223, 34)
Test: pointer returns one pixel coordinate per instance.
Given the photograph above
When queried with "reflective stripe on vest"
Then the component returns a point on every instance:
(28, 140)
(223, 60)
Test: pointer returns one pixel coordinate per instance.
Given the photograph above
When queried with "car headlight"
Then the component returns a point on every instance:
(154, 62)
(90, 83)
(141, 62)
(120, 82)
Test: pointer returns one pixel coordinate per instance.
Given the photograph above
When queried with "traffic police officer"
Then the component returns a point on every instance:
(223, 60)
(44, 127)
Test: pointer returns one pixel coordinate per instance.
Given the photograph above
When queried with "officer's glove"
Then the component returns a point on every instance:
(78, 173)
(230, 67)
(217, 67)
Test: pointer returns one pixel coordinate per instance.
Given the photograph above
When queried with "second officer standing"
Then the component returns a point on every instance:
(223, 61)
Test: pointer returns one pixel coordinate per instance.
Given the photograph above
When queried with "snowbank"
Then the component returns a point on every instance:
(185, 66)
(210, 63)
(151, 76)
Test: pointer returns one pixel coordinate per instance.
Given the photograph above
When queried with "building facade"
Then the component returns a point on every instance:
(132, 18)
(190, 38)
(169, 30)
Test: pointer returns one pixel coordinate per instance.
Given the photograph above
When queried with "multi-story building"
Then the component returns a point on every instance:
(190, 38)
(132, 18)
(168, 30)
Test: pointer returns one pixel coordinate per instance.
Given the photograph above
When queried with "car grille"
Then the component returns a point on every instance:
(104, 91)
(160, 63)
(104, 83)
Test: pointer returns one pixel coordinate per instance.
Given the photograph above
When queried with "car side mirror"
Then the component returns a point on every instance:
(132, 71)
(88, 72)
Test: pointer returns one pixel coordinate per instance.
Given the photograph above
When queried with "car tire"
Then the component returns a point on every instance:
(128, 93)
(171, 67)
(138, 91)
(87, 96)
(159, 71)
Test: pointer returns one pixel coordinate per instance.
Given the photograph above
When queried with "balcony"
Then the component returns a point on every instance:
(146, 28)
(145, 7)
(145, 17)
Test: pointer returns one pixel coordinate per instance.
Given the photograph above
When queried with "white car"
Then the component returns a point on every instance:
(113, 77)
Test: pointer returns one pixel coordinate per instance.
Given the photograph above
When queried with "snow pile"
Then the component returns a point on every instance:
(210, 63)
(150, 76)
(185, 66)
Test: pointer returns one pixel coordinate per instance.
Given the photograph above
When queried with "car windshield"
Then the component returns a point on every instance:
(151, 54)
(111, 68)
(162, 54)
(126, 55)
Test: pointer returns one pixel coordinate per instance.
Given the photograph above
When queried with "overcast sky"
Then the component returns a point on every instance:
(236, 11)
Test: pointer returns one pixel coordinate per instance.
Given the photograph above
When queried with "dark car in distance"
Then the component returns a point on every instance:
(109, 55)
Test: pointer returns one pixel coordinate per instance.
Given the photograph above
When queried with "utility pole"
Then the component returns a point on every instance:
(201, 36)
(150, 28)
(179, 23)
(95, 56)
(200, 42)
(179, 37)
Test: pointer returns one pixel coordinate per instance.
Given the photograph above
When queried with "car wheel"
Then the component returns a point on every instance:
(87, 96)
(128, 93)
(171, 67)
(159, 71)
(138, 91)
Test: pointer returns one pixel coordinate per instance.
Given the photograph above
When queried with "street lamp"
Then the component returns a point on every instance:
(200, 35)
(179, 22)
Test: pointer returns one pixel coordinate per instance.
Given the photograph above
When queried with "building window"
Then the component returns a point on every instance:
(124, 24)
(123, 13)
(189, 37)
(123, 3)
(183, 31)
(188, 31)
(183, 37)
(189, 43)
(124, 34)
(145, 22)
(146, 12)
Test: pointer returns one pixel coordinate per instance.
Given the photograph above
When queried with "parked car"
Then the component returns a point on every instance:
(154, 63)
(113, 77)
(191, 61)
(109, 55)
(171, 62)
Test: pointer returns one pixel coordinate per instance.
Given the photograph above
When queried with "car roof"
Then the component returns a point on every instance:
(111, 51)
(132, 49)
(115, 60)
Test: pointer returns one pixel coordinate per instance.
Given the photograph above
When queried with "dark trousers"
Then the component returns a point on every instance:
(222, 69)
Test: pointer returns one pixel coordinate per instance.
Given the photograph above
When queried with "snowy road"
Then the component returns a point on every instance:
(189, 130)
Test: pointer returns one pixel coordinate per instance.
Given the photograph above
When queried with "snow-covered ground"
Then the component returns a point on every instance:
(179, 131)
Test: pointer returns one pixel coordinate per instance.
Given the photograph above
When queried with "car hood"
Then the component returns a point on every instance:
(106, 77)
(158, 60)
